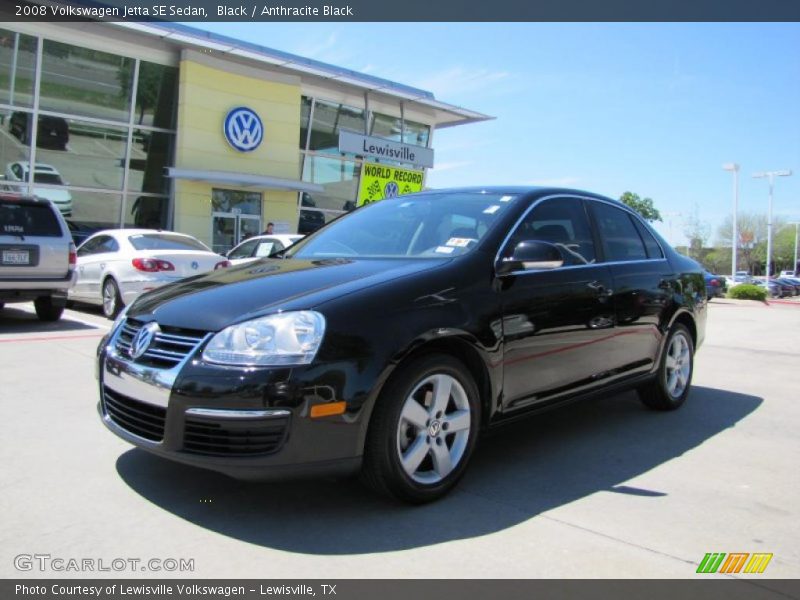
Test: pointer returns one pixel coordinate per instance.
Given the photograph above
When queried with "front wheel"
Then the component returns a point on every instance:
(112, 303)
(423, 430)
(670, 387)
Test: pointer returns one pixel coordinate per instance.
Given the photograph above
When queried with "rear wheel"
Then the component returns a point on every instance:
(670, 388)
(423, 430)
(112, 303)
(46, 310)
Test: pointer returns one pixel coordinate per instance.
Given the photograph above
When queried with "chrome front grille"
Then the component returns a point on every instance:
(168, 348)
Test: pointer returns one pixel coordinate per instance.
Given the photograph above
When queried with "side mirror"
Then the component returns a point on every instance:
(531, 255)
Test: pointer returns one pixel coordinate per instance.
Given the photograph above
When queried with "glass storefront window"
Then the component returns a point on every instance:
(305, 111)
(393, 128)
(338, 177)
(416, 133)
(85, 82)
(94, 210)
(156, 95)
(236, 202)
(85, 154)
(328, 119)
(311, 220)
(151, 152)
(386, 127)
(17, 68)
(149, 212)
(12, 150)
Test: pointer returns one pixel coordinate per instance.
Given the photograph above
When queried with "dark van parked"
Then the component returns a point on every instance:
(388, 340)
(52, 132)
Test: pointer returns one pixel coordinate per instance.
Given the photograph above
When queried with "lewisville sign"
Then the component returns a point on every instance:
(367, 145)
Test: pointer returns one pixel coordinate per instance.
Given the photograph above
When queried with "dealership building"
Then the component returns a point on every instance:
(163, 125)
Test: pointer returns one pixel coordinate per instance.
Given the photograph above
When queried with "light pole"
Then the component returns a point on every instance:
(770, 176)
(794, 265)
(734, 167)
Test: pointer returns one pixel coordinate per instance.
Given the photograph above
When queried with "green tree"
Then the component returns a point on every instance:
(696, 231)
(752, 243)
(147, 88)
(644, 206)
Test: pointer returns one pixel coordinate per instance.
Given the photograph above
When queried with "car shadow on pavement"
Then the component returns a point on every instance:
(518, 472)
(16, 320)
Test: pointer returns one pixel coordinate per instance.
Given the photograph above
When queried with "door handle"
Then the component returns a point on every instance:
(600, 289)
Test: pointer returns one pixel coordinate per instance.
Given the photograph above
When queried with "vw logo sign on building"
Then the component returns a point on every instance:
(243, 129)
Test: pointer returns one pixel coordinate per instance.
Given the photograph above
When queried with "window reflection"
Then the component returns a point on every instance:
(149, 212)
(11, 149)
(328, 119)
(85, 82)
(17, 68)
(151, 152)
(95, 210)
(94, 156)
(156, 93)
(338, 177)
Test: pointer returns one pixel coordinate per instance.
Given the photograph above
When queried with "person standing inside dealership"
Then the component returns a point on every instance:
(269, 229)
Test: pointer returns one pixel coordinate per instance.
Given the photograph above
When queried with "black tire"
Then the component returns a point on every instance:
(389, 429)
(112, 302)
(664, 392)
(46, 310)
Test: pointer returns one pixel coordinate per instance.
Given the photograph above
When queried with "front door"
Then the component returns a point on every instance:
(236, 216)
(557, 324)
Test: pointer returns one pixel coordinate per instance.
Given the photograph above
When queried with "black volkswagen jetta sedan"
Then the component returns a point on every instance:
(388, 340)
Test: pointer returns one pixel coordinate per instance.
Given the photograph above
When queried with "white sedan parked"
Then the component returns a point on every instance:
(260, 246)
(116, 265)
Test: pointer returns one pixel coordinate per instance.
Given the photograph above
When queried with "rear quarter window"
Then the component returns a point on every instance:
(28, 220)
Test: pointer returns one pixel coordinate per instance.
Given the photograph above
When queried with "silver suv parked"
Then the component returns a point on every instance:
(37, 255)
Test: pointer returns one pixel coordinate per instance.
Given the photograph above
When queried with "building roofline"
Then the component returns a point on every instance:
(226, 45)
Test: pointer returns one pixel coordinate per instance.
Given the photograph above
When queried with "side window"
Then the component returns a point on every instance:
(244, 250)
(650, 243)
(621, 239)
(266, 248)
(90, 247)
(108, 244)
(562, 222)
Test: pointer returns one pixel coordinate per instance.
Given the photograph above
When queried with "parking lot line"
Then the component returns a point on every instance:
(51, 338)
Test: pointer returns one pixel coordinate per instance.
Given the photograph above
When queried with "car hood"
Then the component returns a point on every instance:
(53, 194)
(212, 302)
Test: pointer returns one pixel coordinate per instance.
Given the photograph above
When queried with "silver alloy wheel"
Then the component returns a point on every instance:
(109, 298)
(678, 365)
(434, 428)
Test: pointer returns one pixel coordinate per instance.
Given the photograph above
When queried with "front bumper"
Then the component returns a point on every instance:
(247, 423)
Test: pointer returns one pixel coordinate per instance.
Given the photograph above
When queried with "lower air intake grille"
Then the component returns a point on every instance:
(245, 437)
(138, 418)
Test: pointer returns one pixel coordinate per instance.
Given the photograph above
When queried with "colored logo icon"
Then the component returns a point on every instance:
(736, 562)
(390, 190)
(243, 129)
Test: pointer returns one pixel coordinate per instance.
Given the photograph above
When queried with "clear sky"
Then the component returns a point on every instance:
(651, 108)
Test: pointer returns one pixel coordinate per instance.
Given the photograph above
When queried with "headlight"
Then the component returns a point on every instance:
(290, 338)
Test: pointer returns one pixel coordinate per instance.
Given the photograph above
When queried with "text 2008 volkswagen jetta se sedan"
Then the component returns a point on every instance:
(388, 340)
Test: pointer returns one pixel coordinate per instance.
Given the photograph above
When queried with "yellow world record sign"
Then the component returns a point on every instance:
(383, 181)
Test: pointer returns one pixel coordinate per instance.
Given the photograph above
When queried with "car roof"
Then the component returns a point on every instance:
(530, 190)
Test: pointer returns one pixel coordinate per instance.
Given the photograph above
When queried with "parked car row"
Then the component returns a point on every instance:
(716, 285)
(780, 287)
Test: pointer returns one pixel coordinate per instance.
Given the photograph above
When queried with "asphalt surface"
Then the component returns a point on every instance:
(598, 489)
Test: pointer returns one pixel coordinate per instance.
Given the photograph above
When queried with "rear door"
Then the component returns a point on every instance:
(33, 243)
(557, 324)
(643, 284)
(93, 265)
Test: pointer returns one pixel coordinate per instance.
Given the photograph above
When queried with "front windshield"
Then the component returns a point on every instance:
(427, 225)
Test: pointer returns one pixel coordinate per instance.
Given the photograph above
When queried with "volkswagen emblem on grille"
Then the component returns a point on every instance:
(142, 340)
(195, 265)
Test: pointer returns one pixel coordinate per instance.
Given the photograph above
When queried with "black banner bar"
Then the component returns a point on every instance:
(400, 11)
